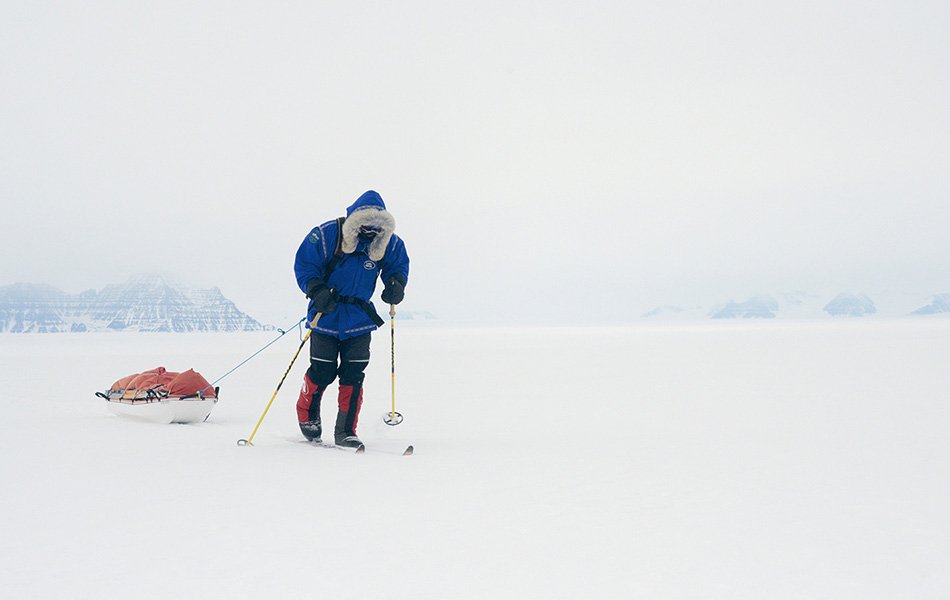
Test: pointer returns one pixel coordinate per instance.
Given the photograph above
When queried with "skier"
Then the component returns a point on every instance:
(336, 267)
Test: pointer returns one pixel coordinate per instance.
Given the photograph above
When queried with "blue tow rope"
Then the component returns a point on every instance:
(282, 334)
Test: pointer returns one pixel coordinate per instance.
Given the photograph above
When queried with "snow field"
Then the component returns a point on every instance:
(733, 460)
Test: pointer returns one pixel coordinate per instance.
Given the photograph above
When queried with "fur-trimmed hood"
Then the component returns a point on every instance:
(370, 210)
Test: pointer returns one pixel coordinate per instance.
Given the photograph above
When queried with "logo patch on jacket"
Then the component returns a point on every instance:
(314, 238)
(369, 265)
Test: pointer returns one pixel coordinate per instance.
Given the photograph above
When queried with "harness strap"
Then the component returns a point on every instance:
(366, 306)
(337, 252)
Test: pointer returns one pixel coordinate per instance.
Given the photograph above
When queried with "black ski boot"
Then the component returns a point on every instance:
(341, 436)
(344, 433)
(350, 441)
(312, 430)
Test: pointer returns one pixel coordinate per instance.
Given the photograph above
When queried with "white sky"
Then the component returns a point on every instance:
(559, 160)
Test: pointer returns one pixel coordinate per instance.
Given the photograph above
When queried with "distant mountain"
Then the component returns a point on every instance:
(802, 305)
(412, 315)
(939, 305)
(766, 306)
(140, 304)
(757, 307)
(850, 305)
(665, 310)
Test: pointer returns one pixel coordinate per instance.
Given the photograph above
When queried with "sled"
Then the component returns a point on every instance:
(160, 396)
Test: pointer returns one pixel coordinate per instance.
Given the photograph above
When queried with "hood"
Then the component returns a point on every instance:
(369, 209)
(369, 199)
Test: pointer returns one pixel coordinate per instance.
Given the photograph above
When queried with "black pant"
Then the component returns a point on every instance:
(325, 350)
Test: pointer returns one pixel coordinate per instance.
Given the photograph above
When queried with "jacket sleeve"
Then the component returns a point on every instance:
(312, 257)
(396, 261)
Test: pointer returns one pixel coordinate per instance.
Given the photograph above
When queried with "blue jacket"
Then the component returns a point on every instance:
(356, 272)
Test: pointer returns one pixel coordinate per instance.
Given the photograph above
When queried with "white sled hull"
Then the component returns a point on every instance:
(171, 410)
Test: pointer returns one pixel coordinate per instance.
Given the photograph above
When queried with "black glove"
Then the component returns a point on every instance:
(395, 289)
(323, 298)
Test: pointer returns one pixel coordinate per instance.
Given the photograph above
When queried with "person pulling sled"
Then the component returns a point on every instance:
(337, 266)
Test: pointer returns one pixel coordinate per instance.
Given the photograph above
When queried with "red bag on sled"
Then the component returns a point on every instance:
(162, 396)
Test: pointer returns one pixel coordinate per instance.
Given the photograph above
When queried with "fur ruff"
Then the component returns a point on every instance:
(372, 217)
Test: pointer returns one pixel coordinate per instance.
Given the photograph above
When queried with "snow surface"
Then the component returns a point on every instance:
(726, 460)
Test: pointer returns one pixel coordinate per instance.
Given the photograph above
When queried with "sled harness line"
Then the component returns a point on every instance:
(282, 334)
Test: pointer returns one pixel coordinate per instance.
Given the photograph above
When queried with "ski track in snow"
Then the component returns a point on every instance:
(699, 461)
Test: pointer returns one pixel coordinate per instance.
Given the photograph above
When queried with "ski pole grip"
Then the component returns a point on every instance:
(316, 317)
(392, 310)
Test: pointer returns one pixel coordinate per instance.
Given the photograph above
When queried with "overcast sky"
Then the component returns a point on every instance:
(555, 160)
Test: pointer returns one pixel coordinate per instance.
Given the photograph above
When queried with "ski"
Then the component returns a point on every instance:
(362, 449)
(376, 450)
(355, 450)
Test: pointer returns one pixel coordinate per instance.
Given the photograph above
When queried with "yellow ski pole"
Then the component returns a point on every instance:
(393, 418)
(247, 442)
